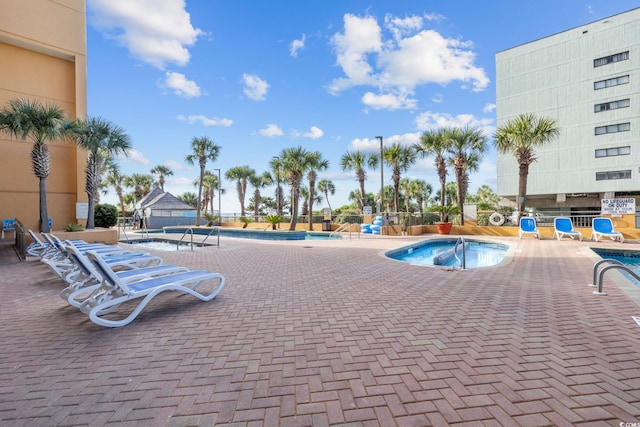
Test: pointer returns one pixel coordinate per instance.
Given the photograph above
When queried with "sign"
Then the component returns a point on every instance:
(82, 210)
(367, 210)
(327, 213)
(619, 206)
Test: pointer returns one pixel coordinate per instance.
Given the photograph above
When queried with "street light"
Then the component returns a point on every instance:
(381, 177)
(219, 204)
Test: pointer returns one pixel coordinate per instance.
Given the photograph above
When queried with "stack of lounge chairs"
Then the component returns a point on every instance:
(101, 278)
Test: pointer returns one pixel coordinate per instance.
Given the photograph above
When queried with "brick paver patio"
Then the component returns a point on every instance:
(332, 333)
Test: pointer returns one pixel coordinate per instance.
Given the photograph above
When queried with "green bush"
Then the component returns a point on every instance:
(105, 215)
(483, 219)
(73, 226)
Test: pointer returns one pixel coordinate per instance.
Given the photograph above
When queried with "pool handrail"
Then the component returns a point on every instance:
(613, 264)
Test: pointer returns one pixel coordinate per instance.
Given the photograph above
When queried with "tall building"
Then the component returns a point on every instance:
(588, 79)
(43, 51)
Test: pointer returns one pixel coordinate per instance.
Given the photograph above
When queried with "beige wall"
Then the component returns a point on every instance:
(43, 51)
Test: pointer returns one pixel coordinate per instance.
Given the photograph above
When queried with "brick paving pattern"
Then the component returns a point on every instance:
(319, 334)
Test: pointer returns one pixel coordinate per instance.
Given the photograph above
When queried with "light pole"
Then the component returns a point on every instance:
(219, 204)
(381, 178)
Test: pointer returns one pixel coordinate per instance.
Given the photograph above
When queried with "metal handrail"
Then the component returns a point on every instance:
(463, 261)
(188, 230)
(614, 264)
(343, 227)
(216, 229)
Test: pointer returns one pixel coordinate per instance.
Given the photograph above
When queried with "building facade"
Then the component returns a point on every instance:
(43, 51)
(588, 79)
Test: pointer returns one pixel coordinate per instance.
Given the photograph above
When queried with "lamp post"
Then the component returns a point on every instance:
(219, 204)
(381, 177)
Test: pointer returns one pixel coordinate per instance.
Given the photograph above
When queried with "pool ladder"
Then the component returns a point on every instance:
(347, 226)
(190, 232)
(614, 264)
(463, 261)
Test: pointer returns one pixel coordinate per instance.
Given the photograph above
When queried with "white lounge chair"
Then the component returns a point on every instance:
(88, 279)
(603, 227)
(114, 291)
(37, 247)
(564, 227)
(528, 226)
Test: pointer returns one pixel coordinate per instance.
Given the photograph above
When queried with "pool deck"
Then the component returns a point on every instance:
(319, 333)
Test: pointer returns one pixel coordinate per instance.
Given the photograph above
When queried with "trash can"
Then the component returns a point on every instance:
(326, 225)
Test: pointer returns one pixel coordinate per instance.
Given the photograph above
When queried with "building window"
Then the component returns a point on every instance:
(615, 151)
(611, 82)
(620, 127)
(601, 176)
(613, 105)
(622, 56)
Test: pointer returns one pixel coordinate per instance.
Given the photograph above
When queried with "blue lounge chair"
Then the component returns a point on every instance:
(528, 226)
(114, 291)
(603, 227)
(564, 227)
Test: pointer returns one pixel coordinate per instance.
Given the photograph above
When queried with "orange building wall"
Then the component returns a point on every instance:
(43, 56)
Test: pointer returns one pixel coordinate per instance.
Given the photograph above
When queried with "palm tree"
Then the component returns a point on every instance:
(40, 123)
(467, 147)
(422, 191)
(102, 140)
(117, 181)
(258, 182)
(326, 186)
(317, 164)
(189, 198)
(161, 171)
(399, 158)
(436, 143)
(295, 163)
(357, 161)
(203, 149)
(210, 185)
(141, 185)
(276, 167)
(241, 175)
(519, 137)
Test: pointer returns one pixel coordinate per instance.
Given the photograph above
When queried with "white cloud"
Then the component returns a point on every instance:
(206, 121)
(297, 45)
(180, 86)
(255, 88)
(438, 98)
(134, 156)
(361, 37)
(314, 133)
(271, 130)
(373, 144)
(431, 120)
(388, 101)
(157, 32)
(397, 64)
(489, 108)
(173, 165)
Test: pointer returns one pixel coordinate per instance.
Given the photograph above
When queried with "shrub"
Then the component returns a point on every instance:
(105, 215)
(210, 218)
(73, 226)
(483, 219)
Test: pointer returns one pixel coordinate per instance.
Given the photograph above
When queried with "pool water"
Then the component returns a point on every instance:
(439, 252)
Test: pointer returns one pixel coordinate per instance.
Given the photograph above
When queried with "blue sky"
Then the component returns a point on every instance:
(260, 76)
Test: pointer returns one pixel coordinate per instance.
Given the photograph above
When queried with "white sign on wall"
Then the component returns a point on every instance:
(619, 206)
(367, 210)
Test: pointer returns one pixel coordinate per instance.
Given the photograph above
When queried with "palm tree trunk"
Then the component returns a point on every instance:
(44, 217)
(523, 174)
(295, 195)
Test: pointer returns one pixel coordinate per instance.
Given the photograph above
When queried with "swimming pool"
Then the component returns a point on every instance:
(439, 252)
(251, 233)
